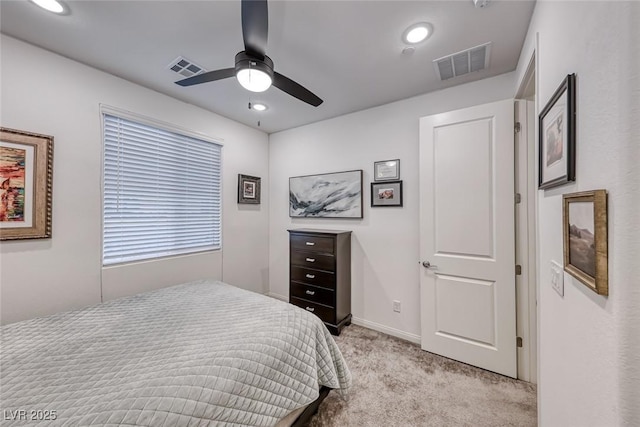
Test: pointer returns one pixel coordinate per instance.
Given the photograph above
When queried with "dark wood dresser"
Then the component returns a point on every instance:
(320, 275)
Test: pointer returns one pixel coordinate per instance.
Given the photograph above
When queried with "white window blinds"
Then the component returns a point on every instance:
(162, 192)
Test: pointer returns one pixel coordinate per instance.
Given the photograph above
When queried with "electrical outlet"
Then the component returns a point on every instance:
(396, 306)
(557, 278)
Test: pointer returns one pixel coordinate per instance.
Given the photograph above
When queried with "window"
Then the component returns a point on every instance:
(162, 192)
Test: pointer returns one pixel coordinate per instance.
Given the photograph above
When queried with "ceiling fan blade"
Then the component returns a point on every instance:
(209, 76)
(287, 85)
(255, 26)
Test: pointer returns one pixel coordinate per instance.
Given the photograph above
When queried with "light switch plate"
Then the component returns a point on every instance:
(557, 278)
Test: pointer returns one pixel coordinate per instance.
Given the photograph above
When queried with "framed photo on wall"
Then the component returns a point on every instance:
(248, 189)
(386, 170)
(585, 238)
(26, 175)
(387, 193)
(557, 137)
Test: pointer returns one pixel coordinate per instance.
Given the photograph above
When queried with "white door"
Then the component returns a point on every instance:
(467, 249)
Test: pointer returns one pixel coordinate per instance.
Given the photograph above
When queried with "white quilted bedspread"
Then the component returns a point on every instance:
(202, 353)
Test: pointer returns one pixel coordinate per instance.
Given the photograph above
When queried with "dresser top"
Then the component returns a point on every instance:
(318, 231)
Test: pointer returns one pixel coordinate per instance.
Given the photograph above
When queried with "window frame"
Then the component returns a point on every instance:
(169, 127)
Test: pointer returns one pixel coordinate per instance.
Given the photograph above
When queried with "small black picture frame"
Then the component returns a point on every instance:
(248, 189)
(386, 194)
(557, 137)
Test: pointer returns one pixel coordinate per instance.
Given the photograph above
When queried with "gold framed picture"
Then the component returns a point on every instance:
(26, 173)
(585, 238)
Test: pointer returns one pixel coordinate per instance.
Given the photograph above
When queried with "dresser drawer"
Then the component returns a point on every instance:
(311, 243)
(327, 314)
(313, 277)
(313, 293)
(311, 260)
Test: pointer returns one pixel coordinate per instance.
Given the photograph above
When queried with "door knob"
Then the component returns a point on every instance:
(427, 264)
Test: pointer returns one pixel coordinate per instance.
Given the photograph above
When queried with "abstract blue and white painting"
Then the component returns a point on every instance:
(330, 195)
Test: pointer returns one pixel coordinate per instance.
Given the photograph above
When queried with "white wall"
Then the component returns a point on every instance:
(589, 368)
(46, 93)
(385, 249)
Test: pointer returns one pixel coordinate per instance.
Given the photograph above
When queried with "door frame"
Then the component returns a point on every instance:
(526, 171)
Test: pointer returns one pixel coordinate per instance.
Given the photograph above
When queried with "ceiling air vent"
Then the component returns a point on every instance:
(465, 62)
(184, 67)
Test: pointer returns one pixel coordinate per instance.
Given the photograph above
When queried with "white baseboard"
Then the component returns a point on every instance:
(387, 330)
(416, 339)
(277, 296)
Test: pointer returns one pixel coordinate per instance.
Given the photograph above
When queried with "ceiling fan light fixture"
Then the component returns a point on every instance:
(254, 74)
(417, 33)
(254, 80)
(50, 5)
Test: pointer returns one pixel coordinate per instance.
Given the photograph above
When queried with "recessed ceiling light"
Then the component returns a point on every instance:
(417, 33)
(50, 5)
(259, 107)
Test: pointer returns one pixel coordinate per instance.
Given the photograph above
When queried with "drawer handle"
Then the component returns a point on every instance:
(310, 259)
(311, 276)
(311, 309)
(309, 243)
(310, 292)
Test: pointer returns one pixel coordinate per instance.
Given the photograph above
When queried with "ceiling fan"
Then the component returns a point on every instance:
(254, 69)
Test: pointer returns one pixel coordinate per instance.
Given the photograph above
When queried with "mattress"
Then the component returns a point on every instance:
(202, 353)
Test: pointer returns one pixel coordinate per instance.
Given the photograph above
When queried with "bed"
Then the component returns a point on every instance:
(202, 353)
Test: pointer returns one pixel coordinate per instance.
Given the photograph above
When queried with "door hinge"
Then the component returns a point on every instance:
(517, 127)
(518, 198)
(518, 270)
(519, 341)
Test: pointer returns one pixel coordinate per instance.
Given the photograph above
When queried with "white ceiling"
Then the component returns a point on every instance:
(349, 53)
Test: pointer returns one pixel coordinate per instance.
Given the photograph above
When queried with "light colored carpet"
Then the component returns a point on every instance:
(396, 383)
